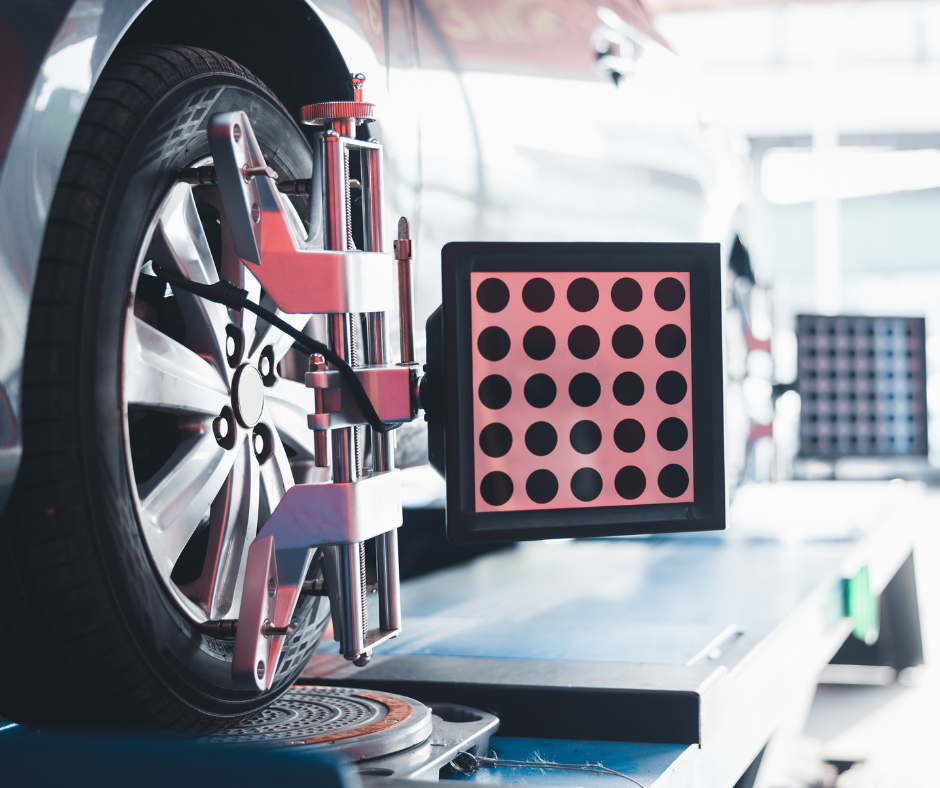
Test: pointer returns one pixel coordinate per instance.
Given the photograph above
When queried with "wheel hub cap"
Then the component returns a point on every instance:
(247, 395)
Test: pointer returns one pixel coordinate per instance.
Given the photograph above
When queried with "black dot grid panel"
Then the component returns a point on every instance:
(861, 382)
(582, 389)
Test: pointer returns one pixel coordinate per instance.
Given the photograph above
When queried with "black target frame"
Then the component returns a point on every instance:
(708, 510)
(809, 369)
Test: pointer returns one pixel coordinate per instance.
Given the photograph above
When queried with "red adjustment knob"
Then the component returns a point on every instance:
(357, 110)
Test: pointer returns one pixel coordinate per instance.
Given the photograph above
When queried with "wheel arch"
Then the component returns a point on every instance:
(285, 43)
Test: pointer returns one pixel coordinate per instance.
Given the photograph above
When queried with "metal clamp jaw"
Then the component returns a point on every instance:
(392, 391)
(328, 516)
(323, 272)
(302, 273)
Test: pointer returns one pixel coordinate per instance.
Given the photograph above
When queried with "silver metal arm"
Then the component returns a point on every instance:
(355, 289)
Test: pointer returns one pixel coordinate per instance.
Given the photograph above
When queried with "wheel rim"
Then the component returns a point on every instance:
(201, 492)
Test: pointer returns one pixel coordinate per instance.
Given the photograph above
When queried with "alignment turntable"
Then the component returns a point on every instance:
(385, 734)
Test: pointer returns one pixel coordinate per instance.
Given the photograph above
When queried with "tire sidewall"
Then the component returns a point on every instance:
(194, 668)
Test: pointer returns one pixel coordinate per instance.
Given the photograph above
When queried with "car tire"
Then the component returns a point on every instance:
(94, 634)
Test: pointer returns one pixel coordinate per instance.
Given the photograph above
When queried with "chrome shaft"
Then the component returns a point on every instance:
(406, 292)
(386, 552)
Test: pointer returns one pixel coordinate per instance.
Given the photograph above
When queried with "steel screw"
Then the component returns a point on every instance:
(358, 80)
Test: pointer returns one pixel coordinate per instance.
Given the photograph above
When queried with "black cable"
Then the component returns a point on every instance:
(225, 293)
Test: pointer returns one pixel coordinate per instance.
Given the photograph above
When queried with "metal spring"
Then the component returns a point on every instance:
(365, 589)
(354, 329)
(350, 244)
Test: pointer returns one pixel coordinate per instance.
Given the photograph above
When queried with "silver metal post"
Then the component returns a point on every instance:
(351, 579)
(335, 208)
(406, 292)
(383, 453)
(372, 198)
(343, 440)
(386, 550)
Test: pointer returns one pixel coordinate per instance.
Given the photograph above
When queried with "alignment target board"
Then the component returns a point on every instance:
(863, 385)
(582, 382)
(585, 389)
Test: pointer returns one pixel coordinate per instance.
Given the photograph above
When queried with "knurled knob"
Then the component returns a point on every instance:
(357, 109)
(318, 114)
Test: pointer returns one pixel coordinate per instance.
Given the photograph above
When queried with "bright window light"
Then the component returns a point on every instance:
(794, 175)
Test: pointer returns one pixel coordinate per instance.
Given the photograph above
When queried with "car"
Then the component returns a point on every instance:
(126, 513)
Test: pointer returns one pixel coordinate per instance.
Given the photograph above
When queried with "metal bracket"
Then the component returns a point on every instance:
(308, 516)
(299, 279)
(336, 513)
(390, 389)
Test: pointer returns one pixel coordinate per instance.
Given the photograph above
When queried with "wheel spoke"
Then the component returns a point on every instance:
(288, 403)
(266, 334)
(233, 524)
(180, 245)
(176, 500)
(232, 268)
(276, 475)
(248, 319)
(160, 373)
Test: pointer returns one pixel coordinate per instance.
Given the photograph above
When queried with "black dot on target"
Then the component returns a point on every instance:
(672, 434)
(495, 440)
(669, 294)
(673, 481)
(583, 342)
(670, 340)
(626, 294)
(493, 295)
(585, 437)
(629, 435)
(541, 486)
(541, 438)
(496, 488)
(538, 343)
(582, 294)
(586, 484)
(630, 482)
(671, 388)
(493, 343)
(627, 341)
(540, 391)
(584, 389)
(538, 295)
(495, 391)
(628, 388)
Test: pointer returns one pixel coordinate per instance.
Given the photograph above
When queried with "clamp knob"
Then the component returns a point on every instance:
(356, 110)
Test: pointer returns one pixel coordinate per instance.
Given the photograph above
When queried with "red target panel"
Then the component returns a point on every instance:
(582, 383)
(581, 388)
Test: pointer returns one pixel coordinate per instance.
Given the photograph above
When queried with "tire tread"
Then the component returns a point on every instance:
(49, 581)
